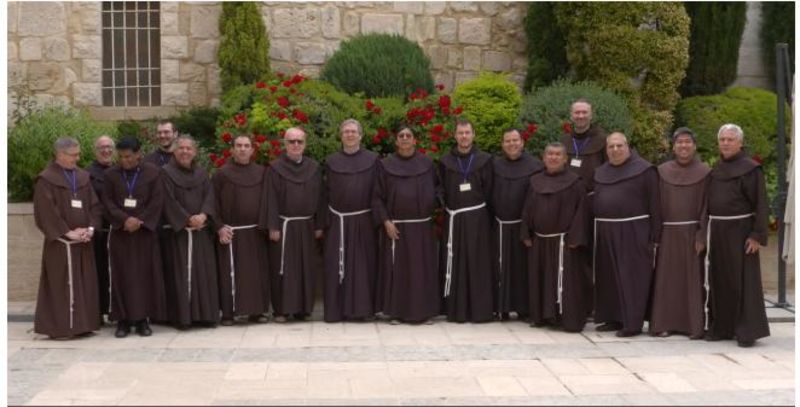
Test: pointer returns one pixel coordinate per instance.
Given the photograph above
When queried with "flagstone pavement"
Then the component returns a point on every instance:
(351, 363)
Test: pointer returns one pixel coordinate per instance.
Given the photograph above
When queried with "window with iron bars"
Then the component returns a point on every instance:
(131, 53)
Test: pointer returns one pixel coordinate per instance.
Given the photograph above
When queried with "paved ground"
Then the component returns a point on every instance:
(377, 363)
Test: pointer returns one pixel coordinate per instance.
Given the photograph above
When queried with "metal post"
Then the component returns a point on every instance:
(781, 53)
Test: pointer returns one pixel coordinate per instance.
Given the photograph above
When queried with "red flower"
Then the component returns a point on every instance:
(297, 78)
(369, 105)
(282, 115)
(440, 86)
(532, 128)
(567, 127)
(446, 111)
(212, 157)
(283, 101)
(275, 143)
(422, 150)
(273, 89)
(300, 116)
(757, 158)
(377, 110)
(219, 162)
(240, 119)
(437, 128)
(458, 111)
(227, 153)
(435, 138)
(261, 85)
(227, 137)
(435, 148)
(526, 135)
(376, 140)
(260, 138)
(287, 84)
(444, 101)
(382, 133)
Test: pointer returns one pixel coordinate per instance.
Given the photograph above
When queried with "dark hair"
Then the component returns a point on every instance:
(555, 144)
(461, 121)
(129, 143)
(403, 126)
(166, 121)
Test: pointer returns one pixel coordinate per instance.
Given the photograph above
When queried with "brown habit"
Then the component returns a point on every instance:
(471, 286)
(192, 294)
(158, 157)
(624, 249)
(511, 179)
(677, 289)
(737, 299)
(555, 205)
(97, 175)
(63, 307)
(408, 280)
(588, 147)
(349, 189)
(241, 203)
(294, 190)
(137, 280)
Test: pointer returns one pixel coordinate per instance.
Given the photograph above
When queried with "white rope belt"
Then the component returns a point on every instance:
(707, 261)
(686, 222)
(286, 220)
(108, 253)
(453, 213)
(559, 296)
(594, 242)
(190, 243)
(406, 221)
(67, 244)
(500, 240)
(341, 216)
(233, 269)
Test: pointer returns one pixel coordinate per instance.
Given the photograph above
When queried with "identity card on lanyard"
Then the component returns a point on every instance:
(576, 161)
(129, 201)
(465, 186)
(73, 184)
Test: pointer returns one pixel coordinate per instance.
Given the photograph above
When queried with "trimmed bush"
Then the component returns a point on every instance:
(549, 109)
(777, 25)
(491, 102)
(716, 33)
(243, 53)
(547, 58)
(30, 144)
(379, 65)
(639, 50)
(200, 122)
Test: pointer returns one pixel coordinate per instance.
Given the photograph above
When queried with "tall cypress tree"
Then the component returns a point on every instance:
(777, 25)
(716, 33)
(547, 55)
(244, 50)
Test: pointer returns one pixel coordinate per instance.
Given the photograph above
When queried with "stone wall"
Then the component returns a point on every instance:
(24, 253)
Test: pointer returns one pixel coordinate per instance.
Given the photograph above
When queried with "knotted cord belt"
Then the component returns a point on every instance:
(453, 213)
(233, 269)
(594, 248)
(68, 244)
(560, 284)
(396, 221)
(286, 220)
(500, 240)
(341, 216)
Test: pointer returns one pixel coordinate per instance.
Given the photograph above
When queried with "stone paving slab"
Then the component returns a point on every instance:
(506, 363)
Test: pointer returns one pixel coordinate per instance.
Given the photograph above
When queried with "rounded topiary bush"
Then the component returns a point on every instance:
(30, 144)
(379, 65)
(491, 102)
(549, 109)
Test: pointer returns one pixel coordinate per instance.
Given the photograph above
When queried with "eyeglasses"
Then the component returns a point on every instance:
(405, 135)
(295, 141)
(100, 148)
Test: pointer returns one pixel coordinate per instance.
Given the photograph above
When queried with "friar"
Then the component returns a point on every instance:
(351, 233)
(191, 281)
(295, 217)
(512, 173)
(133, 197)
(103, 160)
(585, 142)
(67, 212)
(240, 216)
(166, 134)
(627, 226)
(677, 305)
(404, 199)
(554, 230)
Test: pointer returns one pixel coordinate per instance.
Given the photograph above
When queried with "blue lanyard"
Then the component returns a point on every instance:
(131, 184)
(465, 172)
(72, 182)
(575, 145)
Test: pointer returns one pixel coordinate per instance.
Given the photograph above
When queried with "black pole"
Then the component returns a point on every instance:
(781, 56)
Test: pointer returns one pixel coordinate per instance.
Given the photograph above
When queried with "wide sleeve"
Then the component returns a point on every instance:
(653, 204)
(527, 215)
(272, 193)
(379, 211)
(577, 234)
(174, 213)
(116, 216)
(263, 209)
(217, 183)
(487, 182)
(440, 185)
(755, 189)
(700, 235)
(45, 212)
(209, 204)
(321, 215)
(151, 215)
(96, 210)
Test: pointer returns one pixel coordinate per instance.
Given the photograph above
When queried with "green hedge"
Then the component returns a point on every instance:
(243, 53)
(547, 58)
(716, 34)
(30, 144)
(379, 65)
(491, 102)
(549, 109)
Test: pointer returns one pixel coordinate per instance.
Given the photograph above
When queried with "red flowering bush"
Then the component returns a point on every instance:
(432, 118)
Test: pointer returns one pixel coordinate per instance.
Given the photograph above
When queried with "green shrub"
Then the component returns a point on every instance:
(754, 110)
(200, 122)
(716, 33)
(379, 65)
(547, 58)
(549, 109)
(637, 49)
(243, 53)
(777, 25)
(491, 102)
(30, 144)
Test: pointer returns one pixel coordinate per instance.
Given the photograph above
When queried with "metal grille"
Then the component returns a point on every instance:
(131, 53)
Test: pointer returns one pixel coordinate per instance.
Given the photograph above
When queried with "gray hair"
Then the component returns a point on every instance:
(64, 143)
(624, 137)
(352, 121)
(731, 127)
(556, 144)
(186, 136)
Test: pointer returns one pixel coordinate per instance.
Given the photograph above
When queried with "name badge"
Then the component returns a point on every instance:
(76, 203)
(575, 162)
(130, 203)
(465, 187)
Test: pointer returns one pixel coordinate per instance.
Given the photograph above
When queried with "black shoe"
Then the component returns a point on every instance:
(609, 326)
(711, 338)
(143, 328)
(624, 334)
(746, 344)
(122, 329)
(226, 322)
(257, 319)
(300, 316)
